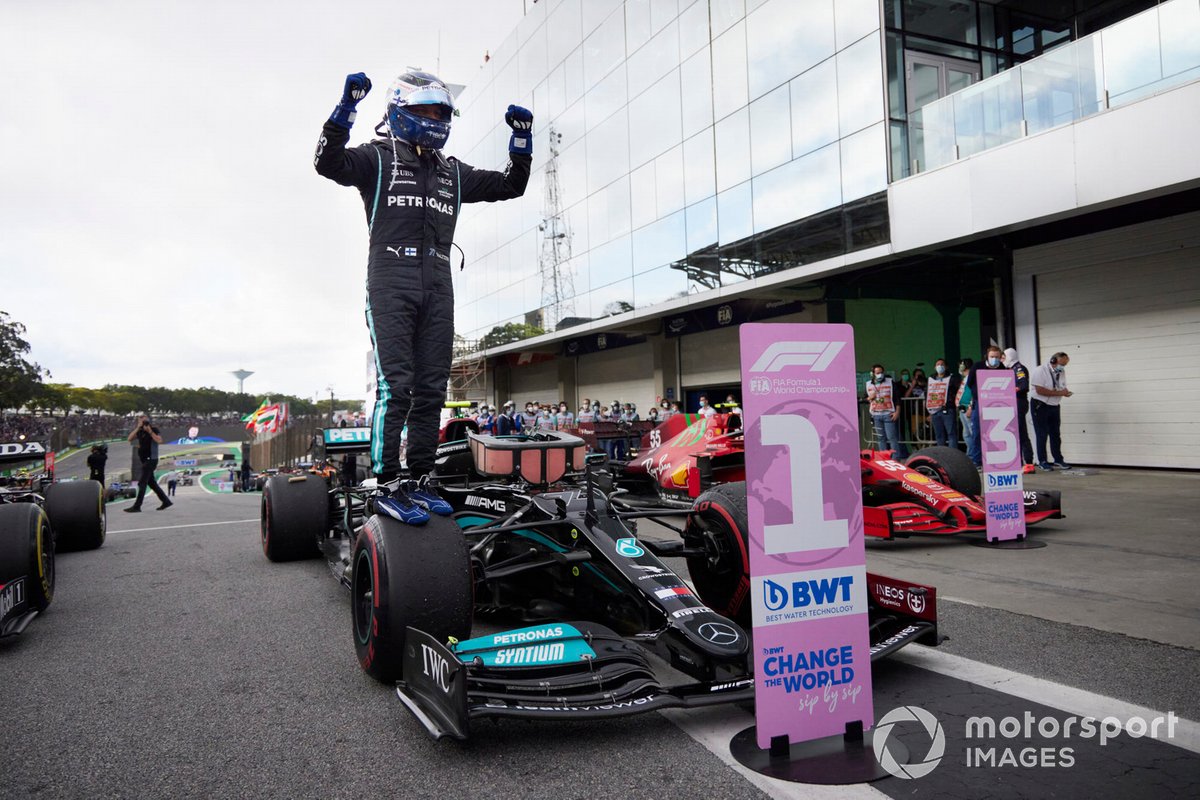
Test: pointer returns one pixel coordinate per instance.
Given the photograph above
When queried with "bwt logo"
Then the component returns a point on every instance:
(1009, 481)
(780, 355)
(805, 593)
(997, 382)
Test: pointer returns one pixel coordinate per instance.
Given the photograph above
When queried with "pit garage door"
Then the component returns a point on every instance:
(535, 382)
(714, 357)
(1125, 304)
(625, 374)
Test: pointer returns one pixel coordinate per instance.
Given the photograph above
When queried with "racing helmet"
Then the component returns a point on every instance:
(419, 107)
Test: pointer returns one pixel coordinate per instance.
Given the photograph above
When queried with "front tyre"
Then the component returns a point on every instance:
(27, 549)
(407, 576)
(720, 526)
(948, 466)
(77, 515)
(295, 517)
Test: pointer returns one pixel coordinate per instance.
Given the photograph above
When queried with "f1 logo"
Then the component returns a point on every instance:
(780, 355)
(996, 382)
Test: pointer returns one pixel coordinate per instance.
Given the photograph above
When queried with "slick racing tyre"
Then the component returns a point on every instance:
(295, 517)
(77, 514)
(948, 466)
(407, 576)
(719, 526)
(27, 548)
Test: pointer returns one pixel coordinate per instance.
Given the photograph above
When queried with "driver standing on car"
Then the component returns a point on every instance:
(412, 194)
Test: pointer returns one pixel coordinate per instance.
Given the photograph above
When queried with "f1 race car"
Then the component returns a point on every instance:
(120, 490)
(936, 491)
(37, 518)
(536, 537)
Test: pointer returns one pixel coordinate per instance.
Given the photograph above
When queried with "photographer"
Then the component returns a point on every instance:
(96, 461)
(148, 442)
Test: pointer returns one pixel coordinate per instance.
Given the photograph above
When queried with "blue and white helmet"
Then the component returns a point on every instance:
(419, 109)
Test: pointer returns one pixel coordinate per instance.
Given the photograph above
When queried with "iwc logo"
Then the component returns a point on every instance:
(914, 769)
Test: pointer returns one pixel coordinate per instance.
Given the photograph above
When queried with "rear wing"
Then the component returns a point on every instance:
(17, 452)
(337, 441)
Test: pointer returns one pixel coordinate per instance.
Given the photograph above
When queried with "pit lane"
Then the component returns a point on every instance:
(177, 661)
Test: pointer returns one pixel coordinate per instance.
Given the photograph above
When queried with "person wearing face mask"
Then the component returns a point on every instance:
(882, 396)
(1022, 375)
(565, 418)
(705, 409)
(939, 405)
(507, 423)
(1050, 387)
(529, 418)
(993, 361)
(586, 412)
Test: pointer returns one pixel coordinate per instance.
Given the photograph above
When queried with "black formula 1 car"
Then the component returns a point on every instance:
(39, 517)
(536, 540)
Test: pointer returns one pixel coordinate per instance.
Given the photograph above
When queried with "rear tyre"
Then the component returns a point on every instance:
(27, 548)
(295, 517)
(948, 466)
(719, 525)
(77, 515)
(407, 576)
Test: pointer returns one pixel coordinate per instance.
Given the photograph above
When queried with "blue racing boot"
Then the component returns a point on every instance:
(425, 495)
(394, 502)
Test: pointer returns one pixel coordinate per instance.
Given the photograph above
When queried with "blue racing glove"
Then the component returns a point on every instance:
(521, 122)
(356, 88)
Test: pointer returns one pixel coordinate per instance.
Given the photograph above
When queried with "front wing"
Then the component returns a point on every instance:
(900, 520)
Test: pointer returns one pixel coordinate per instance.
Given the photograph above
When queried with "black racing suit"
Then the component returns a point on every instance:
(412, 198)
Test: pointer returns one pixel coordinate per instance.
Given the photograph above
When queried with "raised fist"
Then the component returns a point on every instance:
(357, 86)
(519, 119)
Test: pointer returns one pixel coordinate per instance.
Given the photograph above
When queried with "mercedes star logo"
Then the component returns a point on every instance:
(719, 633)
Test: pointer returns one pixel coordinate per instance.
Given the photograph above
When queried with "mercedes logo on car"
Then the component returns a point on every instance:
(719, 633)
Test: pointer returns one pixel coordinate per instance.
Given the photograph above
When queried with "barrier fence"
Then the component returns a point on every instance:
(287, 447)
(916, 430)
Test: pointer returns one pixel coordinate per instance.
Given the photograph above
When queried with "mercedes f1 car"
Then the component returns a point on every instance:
(539, 538)
(37, 518)
(936, 491)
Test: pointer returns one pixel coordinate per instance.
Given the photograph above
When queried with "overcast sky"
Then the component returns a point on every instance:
(160, 219)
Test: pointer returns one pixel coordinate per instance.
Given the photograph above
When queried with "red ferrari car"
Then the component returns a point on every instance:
(937, 490)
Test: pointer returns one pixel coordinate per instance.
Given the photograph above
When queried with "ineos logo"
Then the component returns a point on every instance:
(719, 633)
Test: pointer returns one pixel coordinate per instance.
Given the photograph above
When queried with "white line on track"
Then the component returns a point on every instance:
(1047, 693)
(193, 525)
(714, 727)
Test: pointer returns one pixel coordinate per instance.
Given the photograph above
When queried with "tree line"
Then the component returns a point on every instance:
(24, 384)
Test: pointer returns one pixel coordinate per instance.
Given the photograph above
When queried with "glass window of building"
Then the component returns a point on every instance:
(784, 38)
(724, 13)
(854, 19)
(798, 189)
(572, 174)
(596, 11)
(669, 178)
(615, 298)
(604, 49)
(654, 60)
(662, 12)
(563, 31)
(693, 28)
(606, 97)
(814, 105)
(531, 62)
(637, 23)
(770, 130)
(730, 89)
(701, 221)
(695, 76)
(953, 20)
(573, 75)
(860, 85)
(608, 151)
(642, 203)
(864, 163)
(611, 263)
(655, 118)
(659, 286)
(699, 167)
(735, 218)
(733, 145)
(659, 243)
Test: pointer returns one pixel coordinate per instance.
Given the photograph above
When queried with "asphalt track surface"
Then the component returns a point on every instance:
(177, 662)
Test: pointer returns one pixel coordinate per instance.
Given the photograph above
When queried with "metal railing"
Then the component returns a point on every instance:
(916, 430)
(1152, 51)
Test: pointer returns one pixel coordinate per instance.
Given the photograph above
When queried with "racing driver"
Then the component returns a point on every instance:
(412, 194)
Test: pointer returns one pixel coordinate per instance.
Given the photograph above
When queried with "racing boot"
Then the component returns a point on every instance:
(394, 501)
(424, 494)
